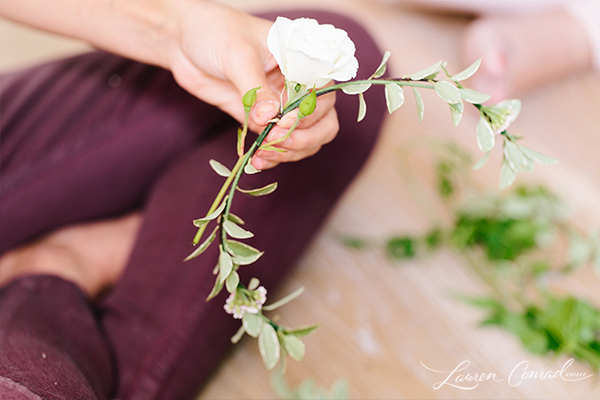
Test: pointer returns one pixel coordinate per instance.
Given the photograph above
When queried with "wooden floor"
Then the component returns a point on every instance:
(382, 324)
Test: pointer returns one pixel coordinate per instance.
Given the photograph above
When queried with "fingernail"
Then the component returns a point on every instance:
(265, 110)
(275, 134)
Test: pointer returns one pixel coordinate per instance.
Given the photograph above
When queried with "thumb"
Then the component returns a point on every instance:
(249, 76)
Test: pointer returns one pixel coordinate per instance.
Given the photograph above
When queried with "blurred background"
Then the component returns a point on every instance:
(381, 321)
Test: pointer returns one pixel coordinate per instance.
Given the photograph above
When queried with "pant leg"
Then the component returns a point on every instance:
(83, 138)
(167, 338)
(51, 346)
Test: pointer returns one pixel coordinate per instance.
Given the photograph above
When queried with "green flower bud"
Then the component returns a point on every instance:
(250, 98)
(308, 104)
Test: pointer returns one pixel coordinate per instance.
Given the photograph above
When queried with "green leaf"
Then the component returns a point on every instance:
(249, 169)
(362, 107)
(302, 331)
(225, 265)
(236, 231)
(308, 104)
(239, 249)
(260, 191)
(238, 335)
(482, 161)
(394, 96)
(507, 175)
(382, 66)
(515, 157)
(232, 281)
(485, 135)
(202, 248)
(268, 345)
(457, 110)
(235, 218)
(468, 72)
(203, 221)
(249, 98)
(285, 300)
(242, 254)
(219, 168)
(538, 157)
(447, 92)
(254, 282)
(356, 89)
(473, 96)
(215, 290)
(420, 105)
(432, 69)
(400, 248)
(272, 148)
(294, 346)
(252, 323)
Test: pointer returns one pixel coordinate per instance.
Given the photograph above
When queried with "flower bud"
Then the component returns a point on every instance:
(308, 104)
(250, 98)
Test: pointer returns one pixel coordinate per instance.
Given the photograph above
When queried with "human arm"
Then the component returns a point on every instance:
(215, 52)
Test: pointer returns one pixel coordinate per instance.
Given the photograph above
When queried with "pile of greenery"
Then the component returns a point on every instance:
(517, 242)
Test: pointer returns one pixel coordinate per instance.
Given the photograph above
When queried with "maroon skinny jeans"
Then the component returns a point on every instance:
(78, 147)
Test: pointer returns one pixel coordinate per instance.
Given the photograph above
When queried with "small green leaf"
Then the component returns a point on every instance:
(362, 107)
(249, 98)
(216, 289)
(238, 335)
(473, 96)
(394, 96)
(447, 92)
(294, 346)
(236, 231)
(254, 282)
(308, 104)
(482, 161)
(203, 221)
(485, 136)
(268, 345)
(232, 281)
(302, 331)
(515, 157)
(538, 157)
(252, 323)
(468, 72)
(432, 69)
(219, 168)
(225, 265)
(249, 169)
(420, 105)
(382, 66)
(260, 191)
(235, 218)
(242, 254)
(272, 148)
(239, 249)
(507, 175)
(457, 110)
(356, 89)
(202, 248)
(285, 300)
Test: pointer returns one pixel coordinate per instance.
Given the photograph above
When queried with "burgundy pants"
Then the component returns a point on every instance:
(77, 147)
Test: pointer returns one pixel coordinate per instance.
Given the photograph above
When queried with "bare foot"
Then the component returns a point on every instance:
(520, 53)
(92, 255)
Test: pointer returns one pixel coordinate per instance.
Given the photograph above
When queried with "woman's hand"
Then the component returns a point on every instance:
(220, 53)
(215, 52)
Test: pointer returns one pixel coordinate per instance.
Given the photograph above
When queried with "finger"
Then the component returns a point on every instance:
(323, 131)
(324, 104)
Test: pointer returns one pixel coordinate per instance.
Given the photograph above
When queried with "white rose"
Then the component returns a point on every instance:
(311, 54)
